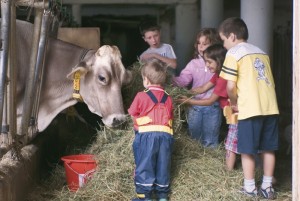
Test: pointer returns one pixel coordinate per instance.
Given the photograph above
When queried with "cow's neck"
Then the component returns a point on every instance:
(57, 88)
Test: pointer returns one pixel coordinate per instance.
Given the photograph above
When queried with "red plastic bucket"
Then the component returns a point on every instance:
(79, 169)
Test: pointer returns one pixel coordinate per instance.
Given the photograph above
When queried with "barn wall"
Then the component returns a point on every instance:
(91, 39)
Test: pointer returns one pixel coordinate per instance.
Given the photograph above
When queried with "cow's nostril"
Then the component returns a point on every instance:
(116, 122)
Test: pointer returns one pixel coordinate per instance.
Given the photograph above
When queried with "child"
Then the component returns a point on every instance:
(251, 90)
(150, 32)
(152, 114)
(214, 57)
(203, 121)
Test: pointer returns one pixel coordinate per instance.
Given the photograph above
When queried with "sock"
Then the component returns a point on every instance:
(267, 182)
(249, 185)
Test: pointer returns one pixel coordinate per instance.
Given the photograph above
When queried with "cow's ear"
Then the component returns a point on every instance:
(81, 70)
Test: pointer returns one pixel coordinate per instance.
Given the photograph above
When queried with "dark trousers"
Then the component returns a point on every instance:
(152, 155)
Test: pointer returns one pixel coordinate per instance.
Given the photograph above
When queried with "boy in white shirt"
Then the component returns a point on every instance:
(150, 32)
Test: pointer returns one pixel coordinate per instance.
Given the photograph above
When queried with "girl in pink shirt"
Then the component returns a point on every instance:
(214, 57)
(203, 121)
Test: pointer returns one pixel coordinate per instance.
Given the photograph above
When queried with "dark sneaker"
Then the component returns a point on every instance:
(253, 193)
(268, 193)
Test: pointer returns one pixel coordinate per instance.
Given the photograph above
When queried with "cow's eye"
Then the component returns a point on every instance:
(101, 78)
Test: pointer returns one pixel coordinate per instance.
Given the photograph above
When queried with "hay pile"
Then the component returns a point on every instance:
(198, 174)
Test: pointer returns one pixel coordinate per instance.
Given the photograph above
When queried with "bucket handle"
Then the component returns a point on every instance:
(86, 175)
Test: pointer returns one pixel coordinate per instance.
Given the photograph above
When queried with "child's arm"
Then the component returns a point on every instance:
(203, 102)
(231, 90)
(204, 88)
(170, 62)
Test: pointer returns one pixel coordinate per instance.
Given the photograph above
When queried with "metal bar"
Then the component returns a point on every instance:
(5, 28)
(39, 71)
(12, 106)
(28, 98)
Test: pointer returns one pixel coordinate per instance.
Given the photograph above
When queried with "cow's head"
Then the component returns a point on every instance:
(102, 76)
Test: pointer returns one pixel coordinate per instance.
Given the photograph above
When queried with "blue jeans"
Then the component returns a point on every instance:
(204, 124)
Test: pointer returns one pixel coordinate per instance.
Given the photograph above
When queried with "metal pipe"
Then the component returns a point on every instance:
(12, 106)
(39, 70)
(28, 98)
(5, 28)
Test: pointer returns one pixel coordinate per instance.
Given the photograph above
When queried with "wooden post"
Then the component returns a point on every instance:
(32, 3)
(296, 100)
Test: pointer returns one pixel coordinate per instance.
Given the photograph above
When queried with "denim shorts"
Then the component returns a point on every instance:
(258, 134)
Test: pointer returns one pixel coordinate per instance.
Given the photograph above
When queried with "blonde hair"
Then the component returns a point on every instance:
(155, 70)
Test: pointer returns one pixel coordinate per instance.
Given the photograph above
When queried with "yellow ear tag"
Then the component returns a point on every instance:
(76, 86)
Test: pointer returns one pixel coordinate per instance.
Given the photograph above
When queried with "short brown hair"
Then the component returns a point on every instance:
(211, 34)
(155, 70)
(236, 26)
(148, 25)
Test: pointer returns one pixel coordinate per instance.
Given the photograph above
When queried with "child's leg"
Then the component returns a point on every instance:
(212, 120)
(248, 164)
(230, 159)
(269, 166)
(231, 146)
(266, 190)
(248, 140)
(268, 144)
(273, 178)
(163, 166)
(194, 120)
(144, 170)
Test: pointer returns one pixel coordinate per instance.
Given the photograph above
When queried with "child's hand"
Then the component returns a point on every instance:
(193, 91)
(234, 108)
(148, 56)
(230, 115)
(182, 99)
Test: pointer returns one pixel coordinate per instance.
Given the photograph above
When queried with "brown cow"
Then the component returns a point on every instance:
(102, 75)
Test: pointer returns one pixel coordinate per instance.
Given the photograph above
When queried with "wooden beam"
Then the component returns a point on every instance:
(296, 101)
(33, 3)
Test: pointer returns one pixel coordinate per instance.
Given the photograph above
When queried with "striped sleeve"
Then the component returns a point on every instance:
(229, 70)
